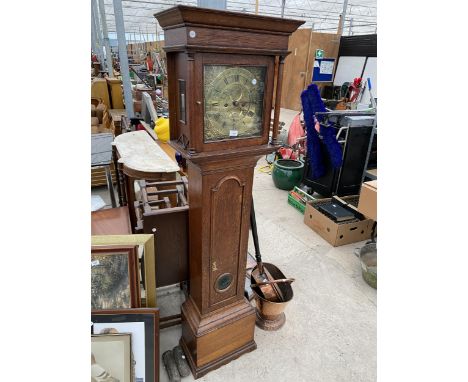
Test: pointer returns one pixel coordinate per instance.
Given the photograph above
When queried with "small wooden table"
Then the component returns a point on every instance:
(139, 157)
(166, 147)
(112, 221)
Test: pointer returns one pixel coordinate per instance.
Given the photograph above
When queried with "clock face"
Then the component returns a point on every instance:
(233, 98)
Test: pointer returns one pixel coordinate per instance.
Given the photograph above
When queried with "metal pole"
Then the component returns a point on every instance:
(93, 35)
(98, 31)
(105, 34)
(94, 38)
(110, 185)
(142, 37)
(140, 43)
(124, 69)
(342, 18)
(279, 83)
(369, 148)
(283, 3)
(306, 75)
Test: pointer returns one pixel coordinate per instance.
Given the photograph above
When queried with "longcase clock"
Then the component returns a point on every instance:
(222, 69)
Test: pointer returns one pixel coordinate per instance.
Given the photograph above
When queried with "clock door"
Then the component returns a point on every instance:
(235, 105)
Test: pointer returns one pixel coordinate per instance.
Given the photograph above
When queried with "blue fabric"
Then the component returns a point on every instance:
(314, 150)
(311, 104)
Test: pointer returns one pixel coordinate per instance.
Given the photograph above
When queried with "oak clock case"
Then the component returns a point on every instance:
(221, 70)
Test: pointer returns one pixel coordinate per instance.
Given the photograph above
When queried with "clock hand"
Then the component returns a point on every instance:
(240, 102)
(235, 101)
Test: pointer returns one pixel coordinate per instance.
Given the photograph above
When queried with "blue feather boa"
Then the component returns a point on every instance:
(311, 104)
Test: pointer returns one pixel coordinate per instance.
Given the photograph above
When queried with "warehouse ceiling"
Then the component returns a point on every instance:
(321, 15)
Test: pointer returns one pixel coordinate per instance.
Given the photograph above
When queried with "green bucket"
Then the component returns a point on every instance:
(287, 173)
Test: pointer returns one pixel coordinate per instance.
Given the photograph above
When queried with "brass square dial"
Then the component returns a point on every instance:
(233, 101)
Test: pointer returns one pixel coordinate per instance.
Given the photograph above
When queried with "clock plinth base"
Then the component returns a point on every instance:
(217, 338)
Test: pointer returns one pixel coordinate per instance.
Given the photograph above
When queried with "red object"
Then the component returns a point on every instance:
(317, 126)
(355, 89)
(140, 127)
(149, 64)
(295, 130)
(296, 196)
(285, 152)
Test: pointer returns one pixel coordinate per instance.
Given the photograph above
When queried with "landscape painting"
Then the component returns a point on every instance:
(114, 278)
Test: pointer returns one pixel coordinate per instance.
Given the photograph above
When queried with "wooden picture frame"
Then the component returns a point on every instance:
(111, 356)
(148, 260)
(115, 268)
(131, 321)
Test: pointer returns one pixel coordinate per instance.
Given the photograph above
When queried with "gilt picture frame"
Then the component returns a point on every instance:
(147, 260)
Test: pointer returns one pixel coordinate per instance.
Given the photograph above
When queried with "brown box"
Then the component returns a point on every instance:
(116, 92)
(368, 200)
(337, 234)
(137, 105)
(99, 90)
(138, 95)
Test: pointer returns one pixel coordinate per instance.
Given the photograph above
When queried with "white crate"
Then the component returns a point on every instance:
(101, 149)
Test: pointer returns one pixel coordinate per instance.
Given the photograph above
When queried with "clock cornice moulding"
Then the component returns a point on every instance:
(183, 15)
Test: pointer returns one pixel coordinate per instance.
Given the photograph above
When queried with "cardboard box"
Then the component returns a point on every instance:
(116, 93)
(99, 90)
(337, 234)
(368, 200)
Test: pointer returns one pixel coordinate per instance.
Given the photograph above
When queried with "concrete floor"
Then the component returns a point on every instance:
(330, 332)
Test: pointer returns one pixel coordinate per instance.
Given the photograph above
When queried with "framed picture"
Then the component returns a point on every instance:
(145, 243)
(115, 277)
(143, 325)
(111, 358)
